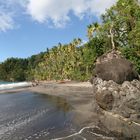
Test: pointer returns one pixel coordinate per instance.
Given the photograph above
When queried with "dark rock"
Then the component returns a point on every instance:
(105, 100)
(126, 114)
(112, 66)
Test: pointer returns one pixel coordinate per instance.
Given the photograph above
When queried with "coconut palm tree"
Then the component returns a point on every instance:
(91, 29)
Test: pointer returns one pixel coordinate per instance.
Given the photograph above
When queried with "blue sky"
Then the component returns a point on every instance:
(28, 27)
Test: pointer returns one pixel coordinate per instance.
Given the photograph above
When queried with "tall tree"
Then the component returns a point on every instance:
(125, 18)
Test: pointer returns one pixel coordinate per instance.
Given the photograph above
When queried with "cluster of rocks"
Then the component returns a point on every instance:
(121, 99)
(116, 89)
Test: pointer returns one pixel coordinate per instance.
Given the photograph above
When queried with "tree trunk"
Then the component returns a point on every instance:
(112, 39)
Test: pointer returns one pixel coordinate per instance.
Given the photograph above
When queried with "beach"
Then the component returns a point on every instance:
(72, 116)
(78, 94)
(73, 105)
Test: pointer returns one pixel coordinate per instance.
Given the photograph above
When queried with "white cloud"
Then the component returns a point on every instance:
(53, 12)
(6, 16)
(98, 7)
(6, 21)
(57, 11)
(8, 12)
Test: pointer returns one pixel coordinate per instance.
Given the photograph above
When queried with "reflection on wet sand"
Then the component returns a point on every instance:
(32, 116)
(59, 102)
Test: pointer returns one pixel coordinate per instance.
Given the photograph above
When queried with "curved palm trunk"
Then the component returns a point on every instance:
(112, 39)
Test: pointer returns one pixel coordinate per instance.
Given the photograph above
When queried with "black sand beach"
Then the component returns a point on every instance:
(51, 111)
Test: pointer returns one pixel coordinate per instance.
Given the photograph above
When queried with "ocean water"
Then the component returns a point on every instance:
(2, 82)
(32, 116)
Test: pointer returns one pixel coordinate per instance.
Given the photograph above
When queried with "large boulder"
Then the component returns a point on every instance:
(112, 66)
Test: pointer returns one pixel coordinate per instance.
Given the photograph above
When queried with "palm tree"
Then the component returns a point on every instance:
(90, 31)
(76, 42)
(94, 27)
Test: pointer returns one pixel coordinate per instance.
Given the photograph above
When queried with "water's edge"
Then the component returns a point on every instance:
(8, 85)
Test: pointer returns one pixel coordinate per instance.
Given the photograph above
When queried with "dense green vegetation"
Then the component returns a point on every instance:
(120, 29)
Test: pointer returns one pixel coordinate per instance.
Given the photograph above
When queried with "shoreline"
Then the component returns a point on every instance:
(81, 97)
(13, 87)
(55, 88)
(78, 94)
(45, 87)
(14, 90)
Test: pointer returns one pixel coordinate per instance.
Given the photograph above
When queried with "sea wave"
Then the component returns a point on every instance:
(15, 85)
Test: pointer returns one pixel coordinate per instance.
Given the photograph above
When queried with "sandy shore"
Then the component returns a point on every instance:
(62, 88)
(79, 97)
(53, 88)
(78, 94)
(15, 90)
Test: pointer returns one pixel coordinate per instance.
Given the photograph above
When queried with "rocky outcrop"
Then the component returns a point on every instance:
(121, 101)
(116, 90)
(113, 66)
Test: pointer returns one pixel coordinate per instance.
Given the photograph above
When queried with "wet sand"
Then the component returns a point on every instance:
(31, 113)
(78, 94)
(80, 97)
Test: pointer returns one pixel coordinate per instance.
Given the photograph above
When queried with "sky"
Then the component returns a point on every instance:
(28, 27)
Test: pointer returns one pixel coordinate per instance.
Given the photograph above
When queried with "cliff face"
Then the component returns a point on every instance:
(116, 90)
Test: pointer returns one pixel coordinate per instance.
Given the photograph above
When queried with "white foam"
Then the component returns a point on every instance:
(102, 136)
(11, 127)
(15, 85)
(75, 134)
(80, 132)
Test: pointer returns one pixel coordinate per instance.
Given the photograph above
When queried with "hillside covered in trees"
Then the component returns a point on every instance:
(120, 29)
